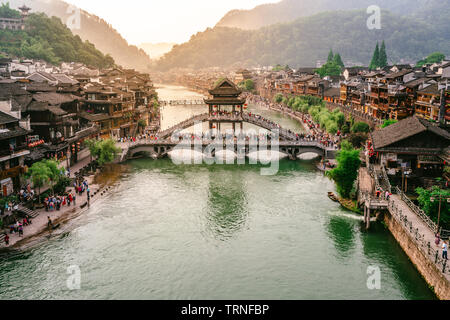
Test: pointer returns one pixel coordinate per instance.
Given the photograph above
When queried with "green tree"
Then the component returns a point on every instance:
(345, 129)
(432, 208)
(435, 57)
(7, 12)
(346, 172)
(375, 63)
(358, 139)
(340, 120)
(331, 127)
(382, 61)
(388, 122)
(338, 60)
(278, 98)
(247, 85)
(329, 69)
(360, 127)
(55, 173)
(330, 56)
(346, 145)
(103, 151)
(40, 175)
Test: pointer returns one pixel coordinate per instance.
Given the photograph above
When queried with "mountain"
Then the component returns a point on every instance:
(93, 29)
(289, 10)
(156, 50)
(50, 40)
(308, 39)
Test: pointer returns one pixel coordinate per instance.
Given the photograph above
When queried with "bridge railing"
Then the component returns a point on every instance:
(181, 102)
(182, 124)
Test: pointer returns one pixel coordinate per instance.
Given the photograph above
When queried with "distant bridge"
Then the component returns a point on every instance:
(182, 102)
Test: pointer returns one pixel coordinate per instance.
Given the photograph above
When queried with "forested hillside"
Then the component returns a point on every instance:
(306, 40)
(289, 10)
(50, 40)
(95, 30)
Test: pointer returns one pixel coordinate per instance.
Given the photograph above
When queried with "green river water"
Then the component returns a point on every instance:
(215, 232)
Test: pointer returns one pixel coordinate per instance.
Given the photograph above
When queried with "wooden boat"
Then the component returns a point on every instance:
(333, 197)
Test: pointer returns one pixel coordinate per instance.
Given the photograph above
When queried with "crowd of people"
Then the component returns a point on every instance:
(18, 227)
(55, 203)
(145, 136)
(26, 194)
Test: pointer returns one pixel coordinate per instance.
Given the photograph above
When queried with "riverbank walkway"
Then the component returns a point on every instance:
(40, 216)
(415, 222)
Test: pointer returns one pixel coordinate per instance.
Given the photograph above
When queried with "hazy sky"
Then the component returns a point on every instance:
(163, 20)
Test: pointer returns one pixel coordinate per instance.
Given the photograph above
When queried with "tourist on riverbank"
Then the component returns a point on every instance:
(69, 200)
(49, 223)
(444, 250)
(438, 239)
(20, 230)
(7, 240)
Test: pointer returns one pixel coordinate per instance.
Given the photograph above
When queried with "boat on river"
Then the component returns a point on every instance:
(333, 197)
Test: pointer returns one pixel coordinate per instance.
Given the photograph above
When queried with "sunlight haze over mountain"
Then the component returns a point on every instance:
(163, 20)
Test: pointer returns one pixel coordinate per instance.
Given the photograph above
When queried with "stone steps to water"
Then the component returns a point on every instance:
(31, 213)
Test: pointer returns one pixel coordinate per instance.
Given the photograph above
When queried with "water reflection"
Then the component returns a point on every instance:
(342, 233)
(227, 208)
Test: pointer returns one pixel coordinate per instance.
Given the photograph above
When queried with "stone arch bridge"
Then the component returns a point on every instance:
(288, 143)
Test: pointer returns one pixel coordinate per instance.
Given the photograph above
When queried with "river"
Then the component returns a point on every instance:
(171, 231)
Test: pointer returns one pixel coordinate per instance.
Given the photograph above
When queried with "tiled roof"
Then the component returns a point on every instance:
(6, 118)
(432, 89)
(94, 117)
(226, 87)
(54, 98)
(404, 129)
(13, 133)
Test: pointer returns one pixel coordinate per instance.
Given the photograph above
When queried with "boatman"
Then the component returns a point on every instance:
(50, 223)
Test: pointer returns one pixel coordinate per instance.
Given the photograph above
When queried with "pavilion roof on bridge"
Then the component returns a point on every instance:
(225, 93)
